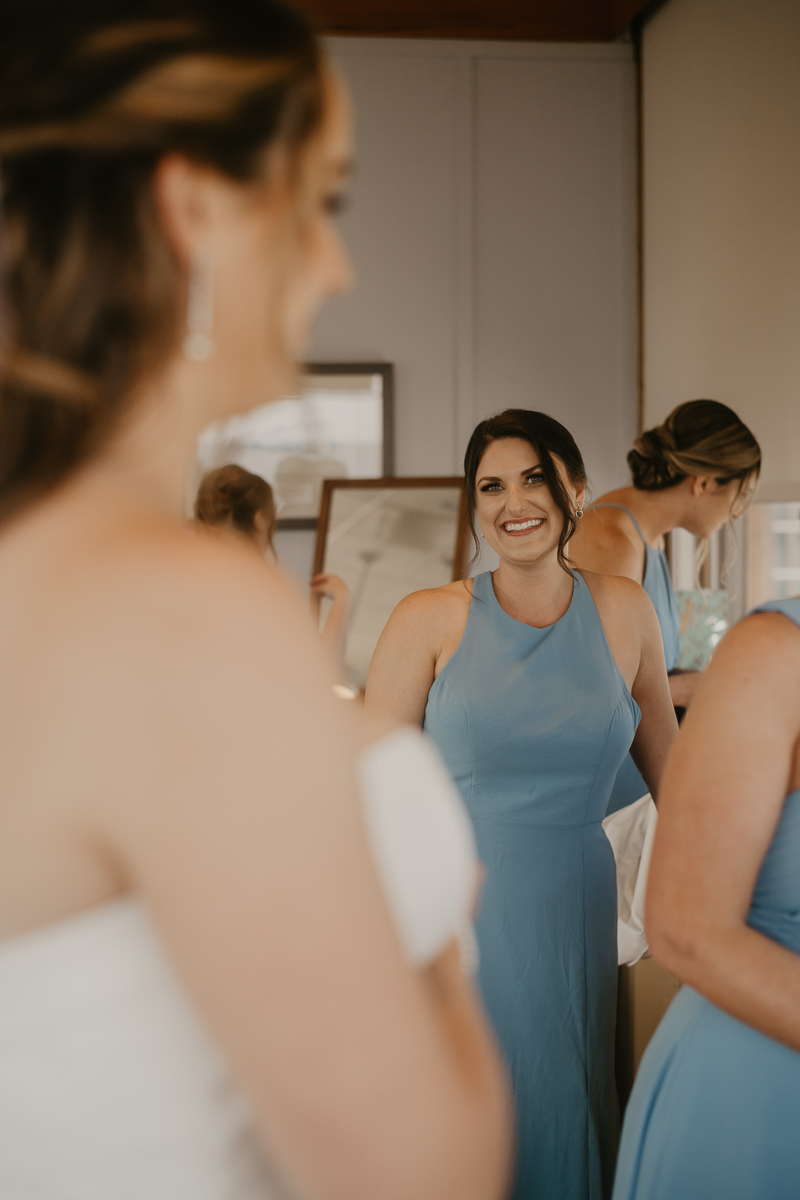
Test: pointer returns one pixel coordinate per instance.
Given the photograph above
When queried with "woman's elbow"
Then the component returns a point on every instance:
(675, 939)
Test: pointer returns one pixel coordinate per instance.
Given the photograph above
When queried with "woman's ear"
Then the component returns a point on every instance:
(580, 497)
(700, 485)
(189, 198)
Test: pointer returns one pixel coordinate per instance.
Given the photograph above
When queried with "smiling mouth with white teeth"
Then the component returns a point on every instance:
(523, 526)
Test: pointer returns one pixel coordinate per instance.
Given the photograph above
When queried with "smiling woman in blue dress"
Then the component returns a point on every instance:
(715, 1112)
(531, 681)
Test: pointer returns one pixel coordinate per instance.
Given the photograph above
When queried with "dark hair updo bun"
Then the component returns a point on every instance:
(700, 437)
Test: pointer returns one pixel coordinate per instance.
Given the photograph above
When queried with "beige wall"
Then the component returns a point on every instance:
(721, 125)
(493, 232)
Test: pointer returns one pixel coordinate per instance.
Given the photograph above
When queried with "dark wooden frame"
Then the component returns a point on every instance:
(386, 371)
(460, 555)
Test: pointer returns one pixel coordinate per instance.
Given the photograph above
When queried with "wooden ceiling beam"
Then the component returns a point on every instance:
(511, 20)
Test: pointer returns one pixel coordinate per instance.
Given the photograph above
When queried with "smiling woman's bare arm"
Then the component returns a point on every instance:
(721, 798)
(658, 727)
(239, 822)
(634, 637)
(410, 648)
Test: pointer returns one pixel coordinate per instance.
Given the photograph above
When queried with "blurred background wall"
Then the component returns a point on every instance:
(493, 232)
(721, 218)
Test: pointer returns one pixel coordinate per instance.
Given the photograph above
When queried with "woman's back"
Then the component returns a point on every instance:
(109, 1085)
(168, 728)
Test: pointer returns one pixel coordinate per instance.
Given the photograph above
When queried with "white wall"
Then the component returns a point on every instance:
(493, 236)
(721, 109)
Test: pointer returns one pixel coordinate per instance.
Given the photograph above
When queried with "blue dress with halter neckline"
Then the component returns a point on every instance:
(534, 724)
(715, 1110)
(629, 784)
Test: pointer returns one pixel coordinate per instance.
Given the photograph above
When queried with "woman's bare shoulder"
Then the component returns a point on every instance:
(616, 593)
(440, 604)
(764, 644)
(137, 591)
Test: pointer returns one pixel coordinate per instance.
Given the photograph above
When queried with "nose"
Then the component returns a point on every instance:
(515, 499)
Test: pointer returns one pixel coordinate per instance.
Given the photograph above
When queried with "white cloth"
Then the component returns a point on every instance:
(630, 831)
(423, 843)
(111, 1089)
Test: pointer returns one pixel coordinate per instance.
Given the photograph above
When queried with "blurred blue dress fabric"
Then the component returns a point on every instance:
(715, 1111)
(534, 724)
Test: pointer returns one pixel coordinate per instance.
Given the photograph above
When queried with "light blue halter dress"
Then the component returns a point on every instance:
(715, 1111)
(534, 724)
(629, 785)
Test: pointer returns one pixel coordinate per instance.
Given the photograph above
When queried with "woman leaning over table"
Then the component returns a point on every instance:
(695, 471)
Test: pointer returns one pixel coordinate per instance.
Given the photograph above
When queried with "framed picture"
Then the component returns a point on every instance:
(386, 538)
(339, 426)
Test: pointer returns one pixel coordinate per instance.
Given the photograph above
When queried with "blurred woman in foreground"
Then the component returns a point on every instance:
(714, 1111)
(232, 498)
(168, 913)
(695, 471)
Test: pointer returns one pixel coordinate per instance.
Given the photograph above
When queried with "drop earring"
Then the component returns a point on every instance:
(578, 513)
(198, 344)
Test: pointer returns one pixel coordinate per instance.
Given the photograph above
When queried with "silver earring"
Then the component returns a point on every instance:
(578, 513)
(198, 344)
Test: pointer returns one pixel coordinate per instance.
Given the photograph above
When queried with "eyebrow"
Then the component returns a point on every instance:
(492, 478)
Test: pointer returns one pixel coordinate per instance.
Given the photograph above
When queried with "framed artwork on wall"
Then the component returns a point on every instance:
(339, 426)
(386, 538)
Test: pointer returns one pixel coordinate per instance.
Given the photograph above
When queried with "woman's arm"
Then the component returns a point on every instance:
(403, 666)
(634, 637)
(682, 687)
(658, 727)
(334, 633)
(721, 799)
(239, 820)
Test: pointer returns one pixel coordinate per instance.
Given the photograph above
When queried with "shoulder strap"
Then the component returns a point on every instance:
(622, 508)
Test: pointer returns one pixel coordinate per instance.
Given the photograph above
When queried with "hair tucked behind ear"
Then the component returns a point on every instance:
(547, 437)
(234, 497)
(92, 94)
(701, 437)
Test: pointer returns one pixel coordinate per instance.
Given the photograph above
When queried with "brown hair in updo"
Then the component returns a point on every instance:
(701, 437)
(234, 497)
(93, 93)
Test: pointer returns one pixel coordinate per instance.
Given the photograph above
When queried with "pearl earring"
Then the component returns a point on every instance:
(198, 344)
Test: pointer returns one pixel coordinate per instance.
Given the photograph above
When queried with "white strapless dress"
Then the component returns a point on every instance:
(111, 1089)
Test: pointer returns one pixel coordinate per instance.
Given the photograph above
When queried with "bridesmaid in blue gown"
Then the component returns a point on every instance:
(531, 680)
(695, 471)
(715, 1112)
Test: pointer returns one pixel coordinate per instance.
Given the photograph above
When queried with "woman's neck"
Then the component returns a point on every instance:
(150, 457)
(537, 593)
